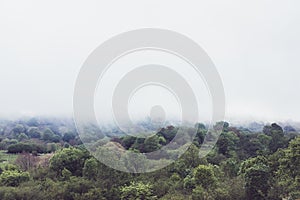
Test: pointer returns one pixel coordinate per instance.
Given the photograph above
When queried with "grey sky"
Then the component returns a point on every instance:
(255, 45)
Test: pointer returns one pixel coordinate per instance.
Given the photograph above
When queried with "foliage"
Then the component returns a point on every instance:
(72, 159)
(26, 147)
(13, 177)
(263, 164)
(137, 190)
(90, 169)
(204, 176)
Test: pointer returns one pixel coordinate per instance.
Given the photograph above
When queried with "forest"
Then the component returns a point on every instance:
(44, 158)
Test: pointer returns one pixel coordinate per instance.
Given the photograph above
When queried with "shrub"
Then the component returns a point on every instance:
(13, 178)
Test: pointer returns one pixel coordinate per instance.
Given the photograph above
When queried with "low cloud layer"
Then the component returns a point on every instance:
(254, 45)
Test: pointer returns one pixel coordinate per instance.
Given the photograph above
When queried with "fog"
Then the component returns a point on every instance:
(255, 46)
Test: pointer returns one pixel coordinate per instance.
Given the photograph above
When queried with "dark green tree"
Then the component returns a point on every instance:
(72, 159)
(257, 175)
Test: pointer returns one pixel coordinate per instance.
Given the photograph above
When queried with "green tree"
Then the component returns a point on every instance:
(34, 132)
(199, 193)
(204, 176)
(68, 137)
(19, 128)
(128, 141)
(26, 147)
(48, 135)
(227, 143)
(230, 167)
(137, 191)
(265, 142)
(72, 159)
(22, 137)
(257, 175)
(277, 137)
(90, 169)
(200, 135)
(152, 143)
(134, 161)
(288, 172)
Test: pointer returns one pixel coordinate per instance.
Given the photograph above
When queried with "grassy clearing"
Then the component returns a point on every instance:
(6, 158)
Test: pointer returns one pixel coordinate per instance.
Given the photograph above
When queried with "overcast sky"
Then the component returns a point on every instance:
(255, 46)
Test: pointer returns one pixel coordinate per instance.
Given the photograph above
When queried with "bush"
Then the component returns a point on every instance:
(13, 178)
(26, 147)
(137, 190)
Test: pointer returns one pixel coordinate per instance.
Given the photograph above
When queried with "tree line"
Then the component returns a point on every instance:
(242, 165)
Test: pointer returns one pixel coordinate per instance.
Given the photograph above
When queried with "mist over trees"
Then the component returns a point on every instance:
(45, 159)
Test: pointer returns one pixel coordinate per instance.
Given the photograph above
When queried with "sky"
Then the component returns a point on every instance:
(254, 45)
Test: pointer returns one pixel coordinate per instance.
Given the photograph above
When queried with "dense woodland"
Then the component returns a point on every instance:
(45, 159)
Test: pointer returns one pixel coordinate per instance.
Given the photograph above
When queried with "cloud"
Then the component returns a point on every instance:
(254, 44)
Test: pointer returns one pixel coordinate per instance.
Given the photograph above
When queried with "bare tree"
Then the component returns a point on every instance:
(27, 161)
